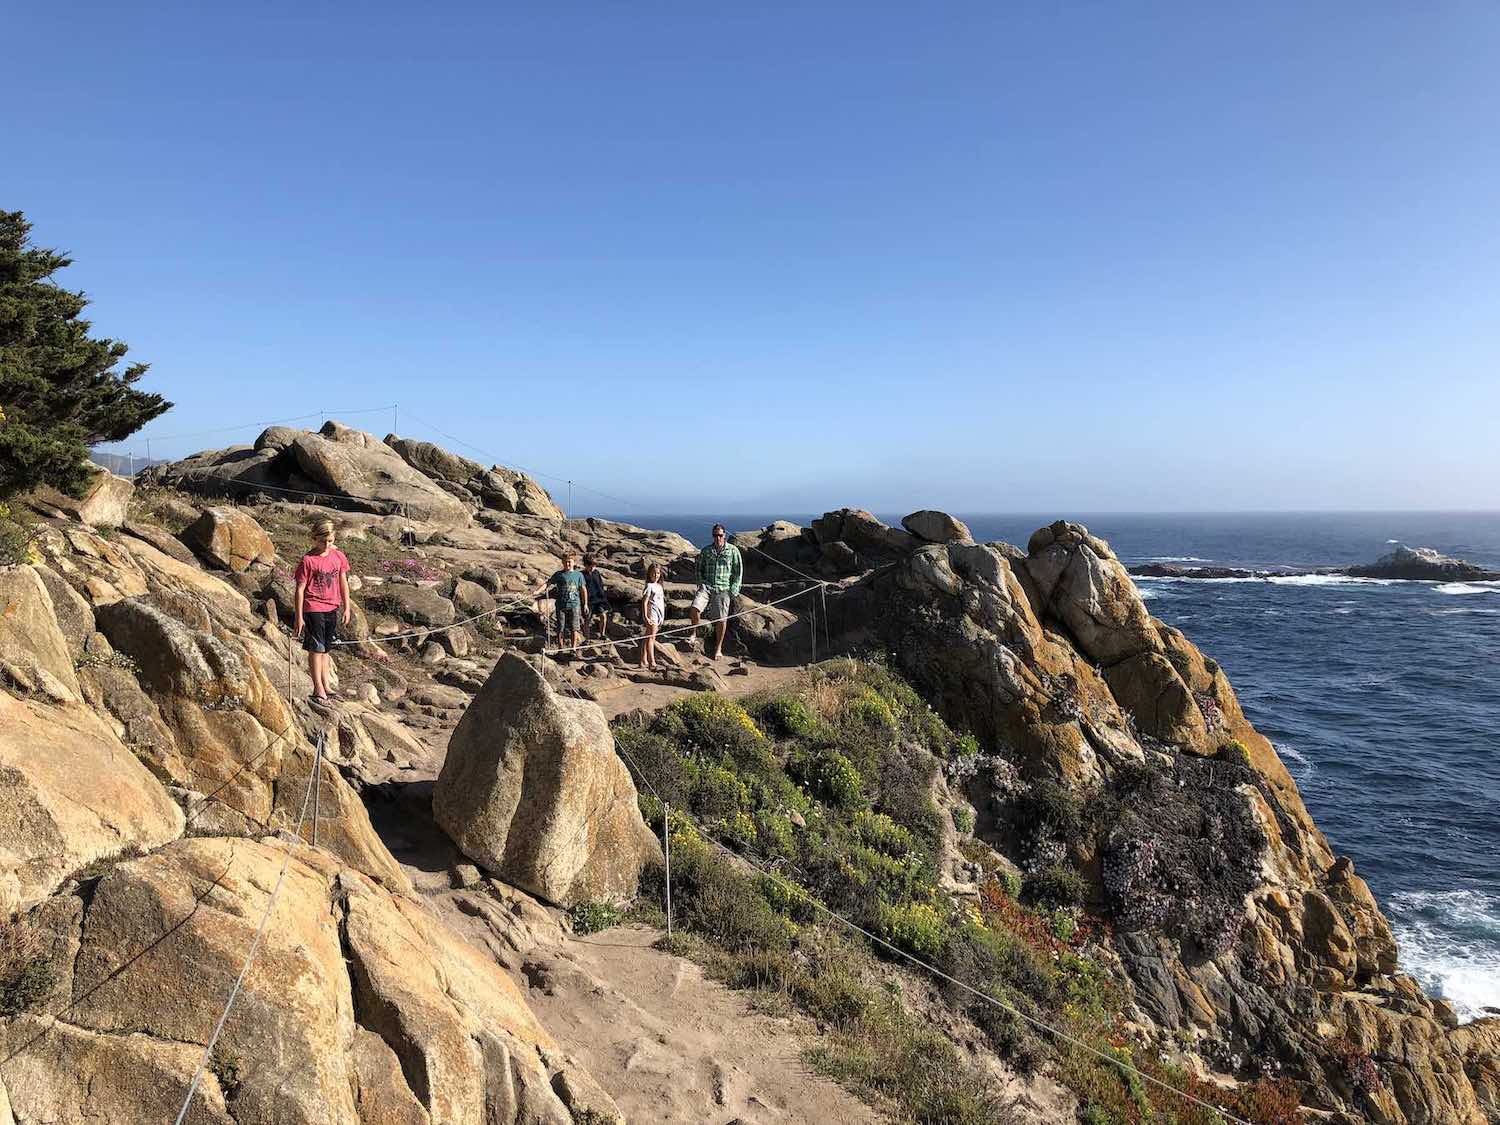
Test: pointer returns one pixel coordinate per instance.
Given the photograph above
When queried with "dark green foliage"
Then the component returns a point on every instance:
(26, 975)
(709, 896)
(17, 534)
(1048, 809)
(788, 717)
(591, 917)
(1053, 887)
(59, 390)
(831, 777)
(1186, 851)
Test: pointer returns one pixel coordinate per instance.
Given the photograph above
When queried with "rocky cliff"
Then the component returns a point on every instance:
(1123, 752)
(155, 750)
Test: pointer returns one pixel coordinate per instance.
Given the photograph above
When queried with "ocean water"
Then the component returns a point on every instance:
(1382, 697)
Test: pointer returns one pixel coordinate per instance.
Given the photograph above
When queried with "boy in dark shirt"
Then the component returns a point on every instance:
(570, 601)
(598, 598)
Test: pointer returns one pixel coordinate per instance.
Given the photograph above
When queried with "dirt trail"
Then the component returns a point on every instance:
(670, 1045)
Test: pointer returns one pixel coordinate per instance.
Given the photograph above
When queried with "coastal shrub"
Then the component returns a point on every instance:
(966, 746)
(709, 723)
(1053, 887)
(709, 896)
(26, 976)
(1010, 881)
(870, 709)
(903, 778)
(883, 834)
(18, 537)
(651, 810)
(718, 793)
(832, 778)
(785, 897)
(916, 927)
(776, 835)
(591, 917)
(738, 828)
(963, 819)
(788, 716)
(1048, 809)
(891, 1055)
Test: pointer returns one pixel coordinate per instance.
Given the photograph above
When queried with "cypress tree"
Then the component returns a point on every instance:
(60, 391)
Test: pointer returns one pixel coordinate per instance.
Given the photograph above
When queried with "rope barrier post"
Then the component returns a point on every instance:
(812, 612)
(666, 836)
(317, 782)
(823, 602)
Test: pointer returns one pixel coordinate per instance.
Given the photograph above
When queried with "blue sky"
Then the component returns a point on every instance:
(987, 257)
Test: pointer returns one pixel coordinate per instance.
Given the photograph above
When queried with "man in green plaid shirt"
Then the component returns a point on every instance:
(720, 571)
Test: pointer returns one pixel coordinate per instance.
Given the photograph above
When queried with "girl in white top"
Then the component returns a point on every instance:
(653, 613)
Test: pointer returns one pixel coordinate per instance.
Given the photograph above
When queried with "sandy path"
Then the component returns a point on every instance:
(670, 1045)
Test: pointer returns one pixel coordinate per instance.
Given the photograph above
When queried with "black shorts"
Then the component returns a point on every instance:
(565, 621)
(319, 630)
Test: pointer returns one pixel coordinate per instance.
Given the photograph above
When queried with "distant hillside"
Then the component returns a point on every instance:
(122, 465)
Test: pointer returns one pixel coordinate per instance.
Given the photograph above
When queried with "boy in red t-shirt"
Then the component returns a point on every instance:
(322, 599)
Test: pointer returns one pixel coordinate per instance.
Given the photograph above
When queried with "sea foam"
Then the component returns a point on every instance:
(1450, 942)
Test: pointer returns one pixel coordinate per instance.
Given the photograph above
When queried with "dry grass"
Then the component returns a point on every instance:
(26, 976)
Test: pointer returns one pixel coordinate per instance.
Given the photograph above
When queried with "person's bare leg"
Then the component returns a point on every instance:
(312, 670)
(720, 628)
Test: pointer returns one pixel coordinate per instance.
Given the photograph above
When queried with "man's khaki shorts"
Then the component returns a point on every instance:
(713, 604)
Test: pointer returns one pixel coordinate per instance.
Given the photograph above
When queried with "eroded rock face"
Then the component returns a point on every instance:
(229, 539)
(1235, 923)
(937, 527)
(104, 502)
(354, 465)
(34, 653)
(359, 1007)
(70, 794)
(532, 789)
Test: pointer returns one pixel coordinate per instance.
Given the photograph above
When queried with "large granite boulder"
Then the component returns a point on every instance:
(229, 539)
(74, 615)
(70, 794)
(355, 466)
(359, 1007)
(104, 502)
(936, 527)
(34, 652)
(419, 605)
(533, 790)
(434, 461)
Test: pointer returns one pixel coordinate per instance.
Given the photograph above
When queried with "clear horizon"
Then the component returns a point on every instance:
(1167, 259)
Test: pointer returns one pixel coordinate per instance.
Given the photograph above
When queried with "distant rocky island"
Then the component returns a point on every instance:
(1409, 564)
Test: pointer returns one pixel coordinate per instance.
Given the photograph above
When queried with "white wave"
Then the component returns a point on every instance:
(1174, 558)
(1467, 588)
(1304, 768)
(1450, 942)
(1329, 580)
(1147, 594)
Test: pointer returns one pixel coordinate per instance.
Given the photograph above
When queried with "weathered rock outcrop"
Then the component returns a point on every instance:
(532, 789)
(103, 504)
(229, 539)
(354, 991)
(1422, 564)
(1234, 922)
(70, 794)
